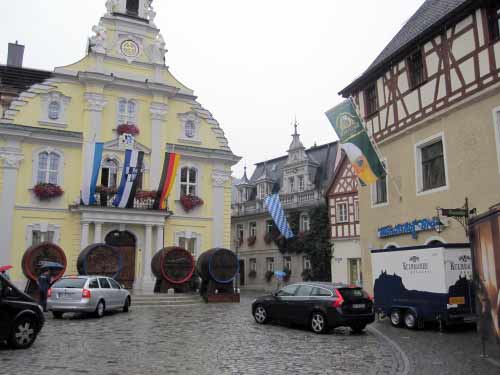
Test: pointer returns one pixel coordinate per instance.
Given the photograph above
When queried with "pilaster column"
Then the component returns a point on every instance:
(97, 232)
(159, 238)
(158, 115)
(219, 179)
(95, 105)
(12, 157)
(84, 239)
(147, 278)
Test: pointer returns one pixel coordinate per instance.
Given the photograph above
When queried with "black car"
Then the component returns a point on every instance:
(321, 306)
(21, 317)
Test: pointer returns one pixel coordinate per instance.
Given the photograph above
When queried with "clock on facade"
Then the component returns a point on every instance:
(129, 48)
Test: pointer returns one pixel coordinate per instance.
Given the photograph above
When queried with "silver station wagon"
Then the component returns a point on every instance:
(87, 294)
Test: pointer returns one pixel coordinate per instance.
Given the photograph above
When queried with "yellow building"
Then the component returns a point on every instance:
(122, 80)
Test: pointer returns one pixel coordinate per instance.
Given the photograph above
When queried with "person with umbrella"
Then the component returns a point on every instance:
(3, 271)
(45, 280)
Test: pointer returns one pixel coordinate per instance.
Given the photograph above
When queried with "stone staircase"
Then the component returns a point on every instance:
(165, 300)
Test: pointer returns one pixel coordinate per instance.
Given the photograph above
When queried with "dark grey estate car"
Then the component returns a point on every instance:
(321, 306)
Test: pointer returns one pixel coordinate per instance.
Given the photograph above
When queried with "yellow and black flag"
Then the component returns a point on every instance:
(356, 143)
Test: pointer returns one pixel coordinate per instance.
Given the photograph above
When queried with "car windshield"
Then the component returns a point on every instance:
(70, 283)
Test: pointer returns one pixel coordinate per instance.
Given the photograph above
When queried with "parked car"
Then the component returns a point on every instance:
(87, 294)
(321, 306)
(21, 317)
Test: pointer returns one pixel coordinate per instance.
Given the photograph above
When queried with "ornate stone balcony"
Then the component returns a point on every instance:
(105, 200)
(289, 201)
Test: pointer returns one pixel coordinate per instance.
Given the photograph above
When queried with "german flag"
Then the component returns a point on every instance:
(170, 166)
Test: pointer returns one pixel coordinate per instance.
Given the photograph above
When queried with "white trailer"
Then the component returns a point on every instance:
(413, 285)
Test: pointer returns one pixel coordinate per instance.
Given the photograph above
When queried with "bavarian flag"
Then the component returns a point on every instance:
(168, 174)
(356, 143)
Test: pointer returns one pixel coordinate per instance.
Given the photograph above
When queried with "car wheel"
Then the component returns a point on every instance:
(126, 306)
(318, 322)
(396, 317)
(99, 310)
(260, 314)
(410, 320)
(57, 314)
(24, 333)
(358, 328)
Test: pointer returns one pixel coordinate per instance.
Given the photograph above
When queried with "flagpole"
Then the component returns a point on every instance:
(376, 148)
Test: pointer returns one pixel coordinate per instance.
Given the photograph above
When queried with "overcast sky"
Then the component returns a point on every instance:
(255, 64)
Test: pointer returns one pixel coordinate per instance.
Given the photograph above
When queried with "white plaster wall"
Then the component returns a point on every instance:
(342, 251)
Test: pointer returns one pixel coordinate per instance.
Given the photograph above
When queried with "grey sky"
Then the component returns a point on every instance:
(256, 65)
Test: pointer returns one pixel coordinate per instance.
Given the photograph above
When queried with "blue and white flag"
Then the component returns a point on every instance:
(93, 155)
(273, 205)
(132, 174)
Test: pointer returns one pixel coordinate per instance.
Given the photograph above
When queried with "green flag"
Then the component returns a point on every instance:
(356, 143)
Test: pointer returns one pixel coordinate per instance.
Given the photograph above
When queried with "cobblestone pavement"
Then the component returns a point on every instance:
(224, 339)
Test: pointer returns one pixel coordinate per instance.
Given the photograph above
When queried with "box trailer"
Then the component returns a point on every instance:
(414, 285)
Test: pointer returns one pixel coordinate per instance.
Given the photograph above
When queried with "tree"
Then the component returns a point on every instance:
(317, 244)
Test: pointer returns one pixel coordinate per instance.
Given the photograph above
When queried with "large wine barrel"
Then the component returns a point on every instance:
(219, 265)
(174, 264)
(45, 251)
(100, 259)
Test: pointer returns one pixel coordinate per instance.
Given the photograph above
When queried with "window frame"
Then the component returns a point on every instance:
(252, 262)
(287, 261)
(305, 261)
(368, 105)
(374, 191)
(36, 161)
(303, 221)
(270, 264)
(127, 116)
(356, 210)
(410, 69)
(188, 183)
(419, 169)
(491, 12)
(252, 229)
(338, 212)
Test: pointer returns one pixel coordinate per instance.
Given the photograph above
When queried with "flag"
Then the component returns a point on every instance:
(92, 166)
(273, 204)
(168, 174)
(356, 143)
(132, 173)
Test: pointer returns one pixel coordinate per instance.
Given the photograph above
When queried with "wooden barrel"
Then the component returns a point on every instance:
(219, 265)
(100, 259)
(174, 264)
(45, 251)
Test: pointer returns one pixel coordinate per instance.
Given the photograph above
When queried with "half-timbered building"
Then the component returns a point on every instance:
(431, 101)
(343, 202)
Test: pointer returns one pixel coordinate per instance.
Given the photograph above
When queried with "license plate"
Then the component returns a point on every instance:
(358, 306)
(457, 300)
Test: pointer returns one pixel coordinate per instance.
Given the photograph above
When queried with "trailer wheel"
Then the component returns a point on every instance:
(410, 320)
(396, 318)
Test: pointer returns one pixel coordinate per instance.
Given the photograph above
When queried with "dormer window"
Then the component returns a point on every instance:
(371, 100)
(416, 70)
(54, 110)
(133, 7)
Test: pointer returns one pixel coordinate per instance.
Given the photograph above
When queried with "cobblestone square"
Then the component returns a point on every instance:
(224, 339)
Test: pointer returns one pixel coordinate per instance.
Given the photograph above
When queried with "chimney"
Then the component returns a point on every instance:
(15, 56)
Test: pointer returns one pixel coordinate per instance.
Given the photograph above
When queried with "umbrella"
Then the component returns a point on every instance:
(5, 268)
(50, 265)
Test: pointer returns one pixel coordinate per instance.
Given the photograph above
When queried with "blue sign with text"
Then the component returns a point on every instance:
(412, 227)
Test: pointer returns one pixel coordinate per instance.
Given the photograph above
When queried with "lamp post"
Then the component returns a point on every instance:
(237, 244)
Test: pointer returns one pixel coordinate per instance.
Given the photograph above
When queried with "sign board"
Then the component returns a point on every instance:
(454, 212)
(126, 142)
(411, 227)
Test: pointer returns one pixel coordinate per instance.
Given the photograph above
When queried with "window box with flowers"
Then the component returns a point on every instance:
(251, 240)
(105, 194)
(45, 191)
(127, 129)
(189, 202)
(252, 274)
(269, 275)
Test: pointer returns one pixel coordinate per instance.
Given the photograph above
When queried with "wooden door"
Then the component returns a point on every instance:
(124, 243)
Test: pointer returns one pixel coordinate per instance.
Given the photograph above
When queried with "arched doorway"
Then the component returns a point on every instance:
(125, 243)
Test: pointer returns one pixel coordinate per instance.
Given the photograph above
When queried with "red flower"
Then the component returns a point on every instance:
(127, 129)
(191, 201)
(45, 191)
(251, 240)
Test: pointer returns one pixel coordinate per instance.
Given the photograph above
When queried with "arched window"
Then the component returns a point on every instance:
(189, 179)
(190, 129)
(109, 173)
(133, 7)
(48, 167)
(54, 110)
(127, 111)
